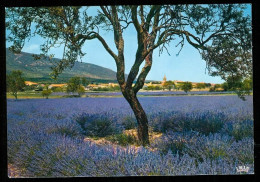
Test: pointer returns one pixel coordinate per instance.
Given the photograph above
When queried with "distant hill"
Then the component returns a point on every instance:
(39, 70)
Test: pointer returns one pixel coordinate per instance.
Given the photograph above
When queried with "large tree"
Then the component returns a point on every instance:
(221, 33)
(15, 82)
(75, 85)
(186, 86)
(242, 86)
(169, 85)
(200, 86)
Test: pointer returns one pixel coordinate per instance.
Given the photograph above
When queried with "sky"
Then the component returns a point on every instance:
(187, 66)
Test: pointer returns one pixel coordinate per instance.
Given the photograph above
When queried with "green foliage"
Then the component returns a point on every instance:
(75, 85)
(15, 82)
(157, 88)
(116, 88)
(241, 86)
(29, 87)
(234, 83)
(215, 87)
(57, 89)
(239, 130)
(152, 87)
(95, 125)
(70, 96)
(215, 153)
(186, 86)
(229, 58)
(129, 123)
(100, 128)
(212, 89)
(175, 146)
(208, 84)
(39, 88)
(224, 86)
(178, 86)
(109, 88)
(156, 82)
(200, 85)
(205, 123)
(84, 81)
(46, 93)
(122, 139)
(81, 90)
(247, 85)
(63, 130)
(245, 88)
(169, 85)
(101, 89)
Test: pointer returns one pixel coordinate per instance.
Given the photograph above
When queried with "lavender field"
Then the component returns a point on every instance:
(197, 135)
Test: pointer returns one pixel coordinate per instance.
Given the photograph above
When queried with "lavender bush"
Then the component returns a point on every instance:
(201, 135)
(99, 125)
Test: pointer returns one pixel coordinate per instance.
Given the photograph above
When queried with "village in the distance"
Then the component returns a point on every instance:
(150, 86)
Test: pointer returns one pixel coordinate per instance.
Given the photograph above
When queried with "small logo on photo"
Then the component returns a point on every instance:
(242, 169)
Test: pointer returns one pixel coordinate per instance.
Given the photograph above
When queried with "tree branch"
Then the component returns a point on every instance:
(117, 31)
(214, 35)
(141, 13)
(96, 35)
(135, 20)
(154, 9)
(163, 38)
(107, 14)
(119, 41)
(106, 47)
(142, 76)
(133, 72)
(143, 54)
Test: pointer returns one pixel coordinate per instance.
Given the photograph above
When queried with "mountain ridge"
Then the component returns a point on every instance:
(39, 70)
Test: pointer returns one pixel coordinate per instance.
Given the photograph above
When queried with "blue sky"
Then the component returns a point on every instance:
(187, 66)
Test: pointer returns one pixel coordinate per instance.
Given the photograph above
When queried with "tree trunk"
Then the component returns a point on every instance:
(140, 115)
(15, 95)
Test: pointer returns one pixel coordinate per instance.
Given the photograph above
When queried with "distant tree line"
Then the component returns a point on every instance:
(236, 84)
(170, 85)
(16, 83)
(109, 88)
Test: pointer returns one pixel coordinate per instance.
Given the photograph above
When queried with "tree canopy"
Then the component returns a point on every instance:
(200, 85)
(241, 86)
(75, 85)
(15, 82)
(220, 32)
(186, 86)
(46, 93)
(169, 85)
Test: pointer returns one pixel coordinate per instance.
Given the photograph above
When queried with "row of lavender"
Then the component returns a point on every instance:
(151, 93)
(201, 135)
